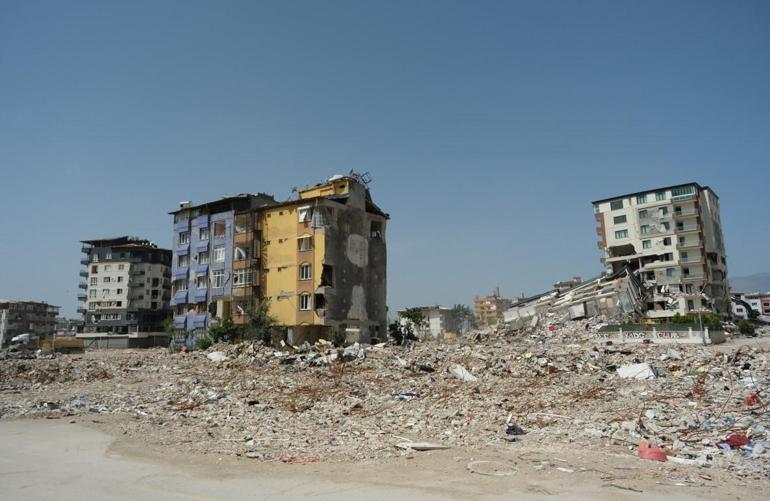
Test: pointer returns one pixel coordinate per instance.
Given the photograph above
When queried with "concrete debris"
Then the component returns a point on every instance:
(637, 371)
(217, 356)
(541, 388)
(421, 446)
(491, 468)
(462, 374)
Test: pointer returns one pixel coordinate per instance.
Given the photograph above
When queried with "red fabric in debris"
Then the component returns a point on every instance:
(736, 440)
(652, 453)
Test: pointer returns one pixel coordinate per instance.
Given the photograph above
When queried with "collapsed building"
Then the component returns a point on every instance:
(617, 296)
(671, 239)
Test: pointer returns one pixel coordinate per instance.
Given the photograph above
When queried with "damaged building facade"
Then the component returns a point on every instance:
(671, 239)
(125, 291)
(319, 260)
(26, 317)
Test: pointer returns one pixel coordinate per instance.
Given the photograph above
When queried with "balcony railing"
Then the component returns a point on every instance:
(688, 244)
(83, 273)
(82, 297)
(83, 285)
(691, 259)
(693, 276)
(133, 283)
(686, 227)
(685, 213)
(84, 261)
(679, 198)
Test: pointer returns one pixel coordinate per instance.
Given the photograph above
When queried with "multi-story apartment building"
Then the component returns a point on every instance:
(671, 238)
(756, 301)
(319, 260)
(26, 317)
(126, 289)
(439, 320)
(203, 258)
(489, 309)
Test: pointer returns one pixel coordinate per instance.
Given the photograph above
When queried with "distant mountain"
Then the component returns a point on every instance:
(758, 282)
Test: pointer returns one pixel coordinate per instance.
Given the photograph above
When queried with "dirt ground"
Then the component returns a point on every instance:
(47, 459)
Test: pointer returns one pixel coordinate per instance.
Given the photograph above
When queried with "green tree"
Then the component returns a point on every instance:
(746, 327)
(260, 325)
(225, 330)
(416, 317)
(463, 315)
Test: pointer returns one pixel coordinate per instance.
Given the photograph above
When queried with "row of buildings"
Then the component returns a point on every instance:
(318, 260)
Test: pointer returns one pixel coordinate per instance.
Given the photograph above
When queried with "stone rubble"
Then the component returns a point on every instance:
(492, 389)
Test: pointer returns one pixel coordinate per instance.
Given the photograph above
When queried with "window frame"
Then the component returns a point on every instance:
(303, 268)
(621, 234)
(305, 302)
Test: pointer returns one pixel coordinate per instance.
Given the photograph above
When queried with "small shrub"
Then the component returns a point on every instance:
(203, 343)
(338, 337)
(746, 327)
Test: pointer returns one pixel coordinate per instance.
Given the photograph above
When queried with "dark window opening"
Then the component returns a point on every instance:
(327, 276)
(376, 230)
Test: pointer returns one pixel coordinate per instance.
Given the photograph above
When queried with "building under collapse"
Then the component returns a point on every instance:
(319, 260)
(670, 239)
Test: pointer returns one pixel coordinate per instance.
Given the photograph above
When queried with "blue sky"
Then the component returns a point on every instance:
(488, 127)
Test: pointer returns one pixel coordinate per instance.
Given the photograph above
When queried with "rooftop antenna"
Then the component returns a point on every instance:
(364, 178)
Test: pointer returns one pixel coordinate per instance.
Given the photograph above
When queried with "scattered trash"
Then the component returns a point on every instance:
(462, 374)
(421, 446)
(736, 440)
(752, 400)
(651, 452)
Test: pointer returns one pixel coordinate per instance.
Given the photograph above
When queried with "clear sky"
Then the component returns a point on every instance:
(488, 127)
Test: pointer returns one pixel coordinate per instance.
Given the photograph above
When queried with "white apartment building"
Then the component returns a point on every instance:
(439, 320)
(672, 239)
(127, 286)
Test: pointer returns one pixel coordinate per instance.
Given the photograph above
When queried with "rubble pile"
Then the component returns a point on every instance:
(701, 406)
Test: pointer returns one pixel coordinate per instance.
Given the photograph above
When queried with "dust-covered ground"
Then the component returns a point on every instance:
(540, 414)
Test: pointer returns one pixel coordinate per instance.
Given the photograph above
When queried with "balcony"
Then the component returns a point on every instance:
(81, 310)
(83, 285)
(694, 276)
(137, 273)
(685, 213)
(684, 228)
(83, 273)
(135, 283)
(84, 261)
(691, 259)
(242, 264)
(85, 249)
(688, 244)
(246, 237)
(82, 296)
(681, 198)
(180, 321)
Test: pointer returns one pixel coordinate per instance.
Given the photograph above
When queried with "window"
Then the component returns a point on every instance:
(667, 241)
(219, 229)
(685, 190)
(121, 267)
(119, 291)
(219, 254)
(660, 195)
(646, 244)
(619, 219)
(155, 282)
(621, 234)
(184, 237)
(203, 233)
(106, 280)
(670, 272)
(666, 226)
(154, 305)
(304, 302)
(92, 293)
(120, 279)
(686, 271)
(183, 261)
(203, 257)
(180, 285)
(641, 199)
(643, 214)
(92, 306)
(668, 256)
(690, 304)
(218, 279)
(200, 282)
(107, 267)
(663, 210)
(241, 253)
(616, 204)
(243, 223)
(305, 214)
(327, 276)
(305, 272)
(645, 228)
(305, 243)
(94, 280)
(105, 292)
(243, 278)
(94, 269)
(375, 230)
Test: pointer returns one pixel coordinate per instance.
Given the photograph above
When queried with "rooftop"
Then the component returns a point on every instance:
(654, 190)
